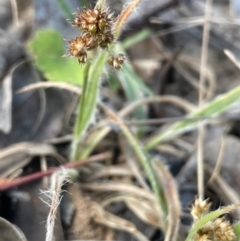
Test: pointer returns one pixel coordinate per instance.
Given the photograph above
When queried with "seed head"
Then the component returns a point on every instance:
(203, 237)
(90, 41)
(94, 21)
(223, 230)
(117, 61)
(96, 26)
(77, 48)
(200, 208)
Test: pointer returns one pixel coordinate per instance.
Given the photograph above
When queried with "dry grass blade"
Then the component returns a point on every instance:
(122, 18)
(65, 86)
(103, 217)
(145, 210)
(219, 160)
(172, 200)
(222, 188)
(232, 57)
(29, 148)
(14, 11)
(111, 171)
(201, 129)
(132, 164)
(6, 104)
(183, 104)
(6, 98)
(18, 155)
(121, 188)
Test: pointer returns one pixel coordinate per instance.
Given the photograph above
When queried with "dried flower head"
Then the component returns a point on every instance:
(217, 230)
(96, 26)
(105, 39)
(77, 48)
(207, 229)
(200, 208)
(90, 42)
(203, 237)
(94, 21)
(117, 61)
(223, 230)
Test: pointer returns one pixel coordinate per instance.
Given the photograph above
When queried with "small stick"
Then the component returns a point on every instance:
(9, 183)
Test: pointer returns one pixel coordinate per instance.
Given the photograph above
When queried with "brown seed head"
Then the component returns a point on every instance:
(90, 42)
(94, 21)
(200, 208)
(105, 39)
(96, 26)
(203, 237)
(77, 48)
(223, 230)
(117, 61)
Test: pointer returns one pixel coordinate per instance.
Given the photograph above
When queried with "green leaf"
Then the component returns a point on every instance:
(48, 47)
(140, 36)
(88, 101)
(133, 86)
(211, 109)
(132, 90)
(236, 228)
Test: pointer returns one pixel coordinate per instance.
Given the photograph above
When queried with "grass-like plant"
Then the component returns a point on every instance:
(100, 32)
(96, 47)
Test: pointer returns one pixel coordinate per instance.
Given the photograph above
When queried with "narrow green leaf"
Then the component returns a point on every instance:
(88, 100)
(140, 36)
(213, 108)
(132, 90)
(47, 47)
(133, 86)
(134, 79)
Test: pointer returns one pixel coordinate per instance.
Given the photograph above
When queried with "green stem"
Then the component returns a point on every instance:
(77, 127)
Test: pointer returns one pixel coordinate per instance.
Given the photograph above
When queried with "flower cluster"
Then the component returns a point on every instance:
(219, 229)
(96, 26)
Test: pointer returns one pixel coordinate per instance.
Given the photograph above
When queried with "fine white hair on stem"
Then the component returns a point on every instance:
(54, 193)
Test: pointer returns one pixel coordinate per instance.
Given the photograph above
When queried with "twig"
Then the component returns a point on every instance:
(9, 183)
